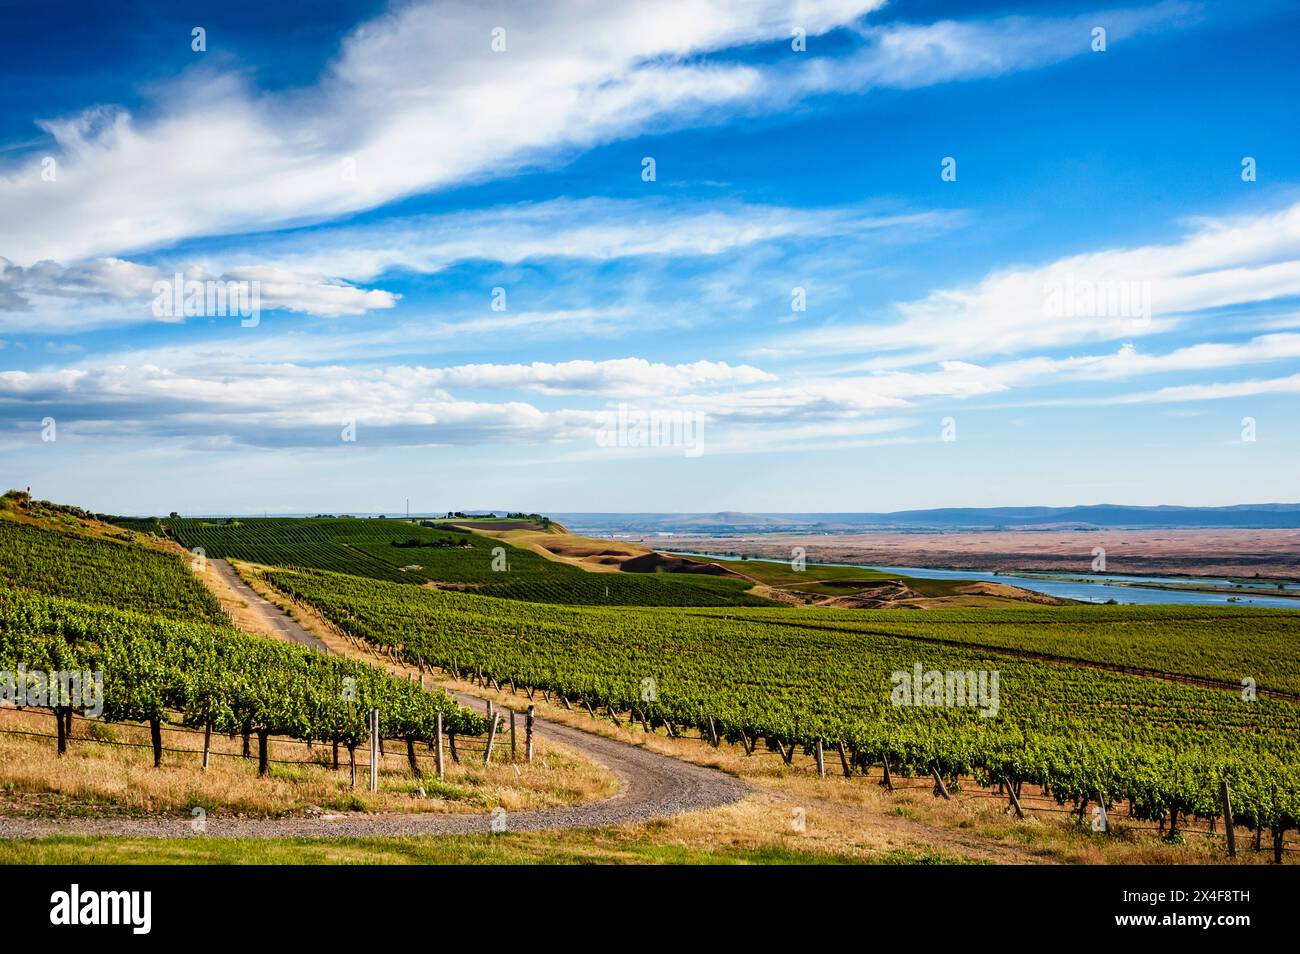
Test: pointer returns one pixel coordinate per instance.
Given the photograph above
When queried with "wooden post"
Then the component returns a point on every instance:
(821, 760)
(513, 752)
(1227, 820)
(492, 737)
(1011, 790)
(939, 787)
(437, 752)
(207, 745)
(528, 733)
(155, 736)
(374, 750)
(844, 761)
(713, 733)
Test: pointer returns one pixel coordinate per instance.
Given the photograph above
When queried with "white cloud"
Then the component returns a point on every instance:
(1194, 392)
(1138, 291)
(113, 291)
(319, 272)
(416, 100)
(630, 377)
(595, 229)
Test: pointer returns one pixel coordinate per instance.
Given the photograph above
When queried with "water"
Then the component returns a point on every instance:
(1101, 592)
(1094, 590)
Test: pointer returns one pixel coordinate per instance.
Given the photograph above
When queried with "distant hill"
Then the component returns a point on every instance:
(1094, 516)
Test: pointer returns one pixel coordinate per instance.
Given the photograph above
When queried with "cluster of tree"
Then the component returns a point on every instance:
(462, 541)
(535, 517)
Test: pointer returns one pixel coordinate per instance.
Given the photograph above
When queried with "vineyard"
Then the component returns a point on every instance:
(351, 545)
(1225, 644)
(631, 589)
(397, 551)
(73, 603)
(63, 563)
(1082, 735)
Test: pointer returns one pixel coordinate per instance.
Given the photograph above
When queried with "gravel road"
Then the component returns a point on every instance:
(276, 618)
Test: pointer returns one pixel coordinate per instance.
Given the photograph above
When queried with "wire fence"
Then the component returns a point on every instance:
(394, 749)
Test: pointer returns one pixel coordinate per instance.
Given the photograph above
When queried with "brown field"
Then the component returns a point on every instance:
(1273, 554)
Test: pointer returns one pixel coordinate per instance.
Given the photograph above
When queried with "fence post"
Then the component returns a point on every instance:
(437, 754)
(513, 752)
(528, 734)
(374, 750)
(1227, 820)
(492, 737)
(821, 760)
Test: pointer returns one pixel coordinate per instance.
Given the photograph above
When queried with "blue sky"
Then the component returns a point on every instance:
(1097, 307)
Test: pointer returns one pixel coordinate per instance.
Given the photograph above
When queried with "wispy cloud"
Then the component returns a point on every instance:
(1097, 296)
(417, 100)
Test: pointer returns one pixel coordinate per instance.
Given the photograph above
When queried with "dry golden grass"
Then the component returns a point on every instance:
(98, 776)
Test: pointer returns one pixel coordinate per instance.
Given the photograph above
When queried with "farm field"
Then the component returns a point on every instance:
(1080, 733)
(1259, 553)
(1225, 644)
(396, 550)
(169, 657)
(741, 670)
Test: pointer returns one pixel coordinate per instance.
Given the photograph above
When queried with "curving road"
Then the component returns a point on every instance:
(650, 786)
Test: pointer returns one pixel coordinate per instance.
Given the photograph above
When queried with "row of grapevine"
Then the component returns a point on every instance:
(1211, 642)
(613, 589)
(1080, 733)
(159, 670)
(98, 570)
